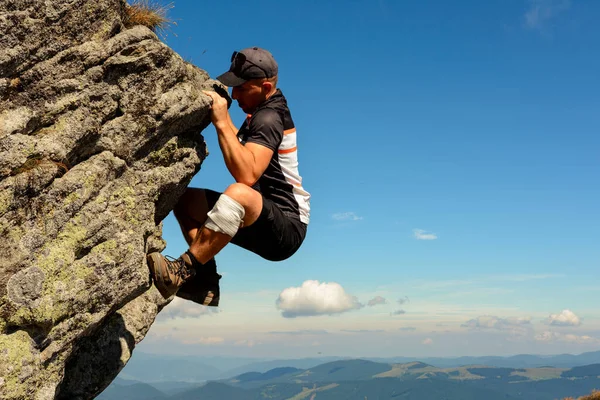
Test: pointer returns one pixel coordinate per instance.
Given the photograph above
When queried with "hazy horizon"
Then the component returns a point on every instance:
(321, 356)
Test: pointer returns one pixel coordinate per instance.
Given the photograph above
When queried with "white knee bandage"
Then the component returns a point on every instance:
(226, 216)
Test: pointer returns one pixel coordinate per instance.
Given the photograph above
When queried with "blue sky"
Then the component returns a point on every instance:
(451, 151)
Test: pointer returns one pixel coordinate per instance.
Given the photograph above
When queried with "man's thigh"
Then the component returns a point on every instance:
(193, 204)
(273, 236)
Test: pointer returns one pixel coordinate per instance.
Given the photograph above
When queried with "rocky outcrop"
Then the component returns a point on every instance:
(99, 135)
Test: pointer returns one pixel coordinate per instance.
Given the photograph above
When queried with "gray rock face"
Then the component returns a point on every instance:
(99, 135)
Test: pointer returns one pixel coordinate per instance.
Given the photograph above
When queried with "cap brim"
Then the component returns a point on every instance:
(229, 79)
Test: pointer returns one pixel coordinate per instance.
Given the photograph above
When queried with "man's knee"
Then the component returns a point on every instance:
(248, 198)
(239, 192)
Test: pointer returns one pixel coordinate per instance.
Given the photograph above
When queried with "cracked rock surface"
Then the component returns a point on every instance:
(99, 135)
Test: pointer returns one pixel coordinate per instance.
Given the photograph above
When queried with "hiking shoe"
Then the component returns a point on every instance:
(203, 288)
(169, 274)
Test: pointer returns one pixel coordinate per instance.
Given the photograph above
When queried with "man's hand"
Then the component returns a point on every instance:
(219, 114)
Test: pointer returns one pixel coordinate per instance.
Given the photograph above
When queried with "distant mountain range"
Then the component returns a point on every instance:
(517, 361)
(364, 379)
(151, 368)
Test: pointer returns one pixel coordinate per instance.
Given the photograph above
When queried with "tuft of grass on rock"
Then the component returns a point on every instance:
(15, 83)
(149, 13)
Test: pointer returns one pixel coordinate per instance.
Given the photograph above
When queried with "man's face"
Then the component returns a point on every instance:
(249, 95)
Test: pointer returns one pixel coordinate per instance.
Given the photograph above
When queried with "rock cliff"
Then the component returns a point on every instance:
(99, 135)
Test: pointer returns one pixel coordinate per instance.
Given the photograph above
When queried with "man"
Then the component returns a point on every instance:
(266, 210)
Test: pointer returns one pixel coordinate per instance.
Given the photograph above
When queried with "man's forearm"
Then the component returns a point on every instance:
(238, 159)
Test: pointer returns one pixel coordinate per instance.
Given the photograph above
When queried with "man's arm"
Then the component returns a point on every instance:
(246, 163)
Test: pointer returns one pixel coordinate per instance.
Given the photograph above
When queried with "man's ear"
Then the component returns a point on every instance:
(267, 86)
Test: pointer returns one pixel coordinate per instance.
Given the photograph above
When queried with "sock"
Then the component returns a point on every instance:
(195, 263)
(208, 269)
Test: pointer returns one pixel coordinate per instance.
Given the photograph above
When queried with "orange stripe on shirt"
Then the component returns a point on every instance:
(289, 131)
(285, 151)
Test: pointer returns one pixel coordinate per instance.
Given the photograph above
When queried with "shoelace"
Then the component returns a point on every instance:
(178, 267)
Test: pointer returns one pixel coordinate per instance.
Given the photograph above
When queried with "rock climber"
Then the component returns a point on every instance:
(266, 210)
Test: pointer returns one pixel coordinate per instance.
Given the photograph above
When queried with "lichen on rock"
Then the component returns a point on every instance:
(99, 136)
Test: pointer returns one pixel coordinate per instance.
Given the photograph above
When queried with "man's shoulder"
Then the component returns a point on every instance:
(265, 116)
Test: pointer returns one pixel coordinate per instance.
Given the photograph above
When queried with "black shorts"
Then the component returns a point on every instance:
(274, 236)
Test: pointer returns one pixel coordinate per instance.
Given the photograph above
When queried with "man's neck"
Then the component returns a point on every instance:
(271, 93)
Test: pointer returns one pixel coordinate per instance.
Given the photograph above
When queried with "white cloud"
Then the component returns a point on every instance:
(541, 11)
(376, 300)
(550, 337)
(314, 298)
(571, 338)
(513, 324)
(398, 312)
(301, 332)
(408, 328)
(427, 341)
(403, 300)
(565, 318)
(180, 308)
(523, 277)
(421, 234)
(245, 343)
(516, 321)
(546, 336)
(210, 340)
(346, 216)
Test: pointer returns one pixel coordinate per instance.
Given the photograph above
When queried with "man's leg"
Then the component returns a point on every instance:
(191, 211)
(219, 228)
(238, 206)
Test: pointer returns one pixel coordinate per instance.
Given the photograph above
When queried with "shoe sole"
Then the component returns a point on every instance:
(153, 260)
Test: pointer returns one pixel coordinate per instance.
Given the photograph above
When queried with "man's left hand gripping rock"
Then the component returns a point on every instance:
(219, 114)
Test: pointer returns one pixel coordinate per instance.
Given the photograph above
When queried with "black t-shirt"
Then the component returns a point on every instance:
(272, 126)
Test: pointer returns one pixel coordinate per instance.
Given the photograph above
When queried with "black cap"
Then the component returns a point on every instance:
(250, 63)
